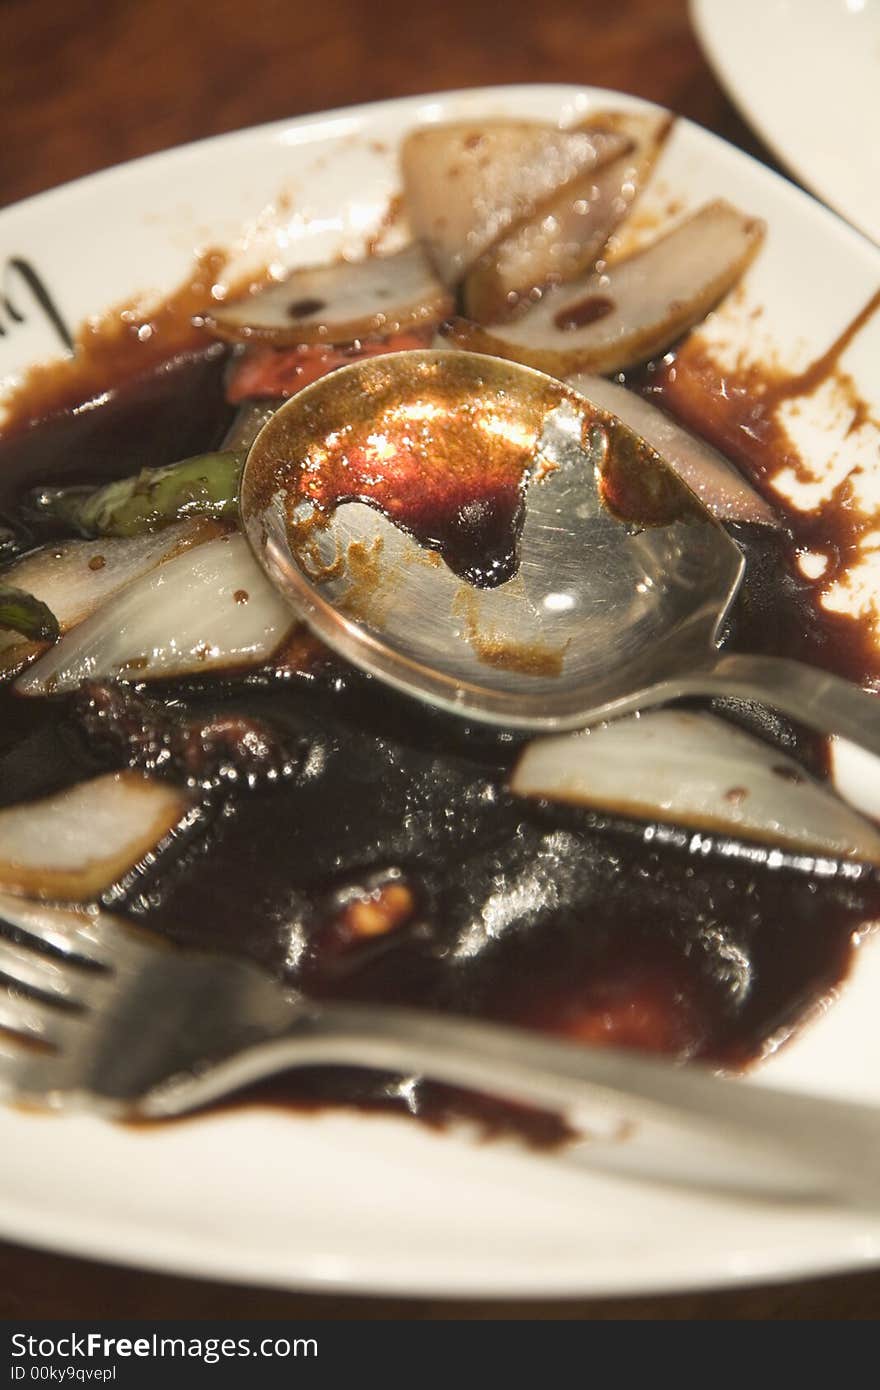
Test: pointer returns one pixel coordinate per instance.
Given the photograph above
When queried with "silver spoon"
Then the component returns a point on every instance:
(619, 585)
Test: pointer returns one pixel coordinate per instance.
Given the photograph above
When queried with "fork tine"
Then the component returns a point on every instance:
(27, 1018)
(74, 933)
(23, 966)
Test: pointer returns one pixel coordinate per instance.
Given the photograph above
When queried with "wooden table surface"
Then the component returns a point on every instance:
(87, 84)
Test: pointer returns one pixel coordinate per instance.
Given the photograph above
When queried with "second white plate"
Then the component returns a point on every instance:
(806, 74)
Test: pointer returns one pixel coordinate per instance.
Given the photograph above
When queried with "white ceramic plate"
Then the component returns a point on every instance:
(806, 73)
(352, 1202)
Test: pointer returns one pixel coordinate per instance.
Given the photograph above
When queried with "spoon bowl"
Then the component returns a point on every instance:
(485, 538)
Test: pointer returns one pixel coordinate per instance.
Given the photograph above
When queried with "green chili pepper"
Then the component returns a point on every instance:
(23, 613)
(206, 485)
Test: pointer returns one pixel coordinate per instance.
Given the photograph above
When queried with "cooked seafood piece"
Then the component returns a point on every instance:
(635, 308)
(563, 239)
(468, 182)
(339, 303)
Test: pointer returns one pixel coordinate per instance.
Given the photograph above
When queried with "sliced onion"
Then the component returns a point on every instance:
(856, 774)
(695, 770)
(75, 845)
(565, 237)
(211, 608)
(466, 183)
(74, 578)
(339, 303)
(636, 308)
(718, 484)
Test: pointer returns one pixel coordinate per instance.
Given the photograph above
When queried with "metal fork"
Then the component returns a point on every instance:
(97, 1014)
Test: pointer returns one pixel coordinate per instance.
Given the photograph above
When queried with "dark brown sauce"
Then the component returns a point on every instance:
(633, 486)
(301, 308)
(166, 415)
(473, 523)
(129, 341)
(589, 310)
(548, 916)
(449, 461)
(394, 215)
(737, 411)
(530, 658)
(448, 465)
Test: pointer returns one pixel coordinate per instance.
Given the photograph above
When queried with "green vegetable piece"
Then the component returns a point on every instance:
(23, 613)
(206, 485)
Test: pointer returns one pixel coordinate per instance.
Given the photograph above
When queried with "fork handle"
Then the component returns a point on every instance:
(646, 1116)
(816, 698)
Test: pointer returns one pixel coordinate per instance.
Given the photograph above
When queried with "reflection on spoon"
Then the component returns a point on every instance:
(484, 537)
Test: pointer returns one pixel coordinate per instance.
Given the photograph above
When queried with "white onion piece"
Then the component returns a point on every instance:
(636, 307)
(76, 844)
(211, 608)
(717, 483)
(856, 775)
(467, 182)
(695, 770)
(339, 303)
(74, 578)
(566, 235)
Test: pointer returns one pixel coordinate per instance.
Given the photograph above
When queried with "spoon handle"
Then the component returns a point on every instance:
(816, 698)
